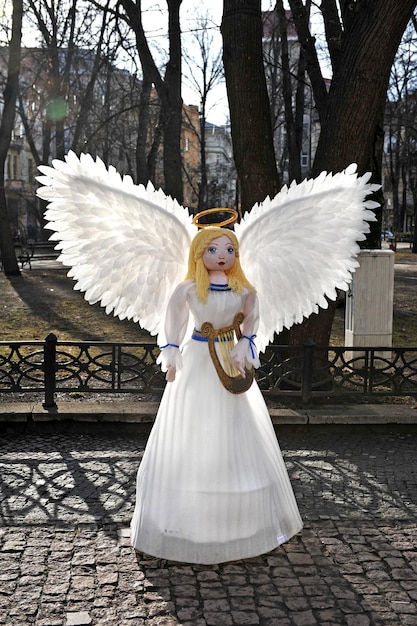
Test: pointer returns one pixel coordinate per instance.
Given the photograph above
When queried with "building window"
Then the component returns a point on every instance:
(13, 167)
(30, 171)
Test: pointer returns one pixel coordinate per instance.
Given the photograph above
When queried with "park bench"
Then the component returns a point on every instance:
(24, 256)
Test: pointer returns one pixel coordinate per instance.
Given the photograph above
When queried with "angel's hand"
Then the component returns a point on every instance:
(170, 359)
(240, 366)
(170, 375)
(244, 354)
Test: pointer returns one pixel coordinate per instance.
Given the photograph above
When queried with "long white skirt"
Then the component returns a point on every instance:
(212, 485)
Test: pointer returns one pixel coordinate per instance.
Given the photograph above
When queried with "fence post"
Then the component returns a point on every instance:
(49, 370)
(307, 382)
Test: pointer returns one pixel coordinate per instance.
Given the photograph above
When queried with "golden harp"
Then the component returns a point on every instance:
(229, 375)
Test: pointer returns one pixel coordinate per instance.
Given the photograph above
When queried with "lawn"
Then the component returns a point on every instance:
(43, 300)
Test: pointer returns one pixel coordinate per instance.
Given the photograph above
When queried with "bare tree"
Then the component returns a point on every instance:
(351, 111)
(167, 87)
(68, 69)
(285, 71)
(204, 70)
(8, 256)
(50, 19)
(400, 115)
(98, 61)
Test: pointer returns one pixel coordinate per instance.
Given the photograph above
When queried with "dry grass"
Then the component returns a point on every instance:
(42, 301)
(405, 300)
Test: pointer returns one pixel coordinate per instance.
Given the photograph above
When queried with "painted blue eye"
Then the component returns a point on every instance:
(212, 250)
(230, 250)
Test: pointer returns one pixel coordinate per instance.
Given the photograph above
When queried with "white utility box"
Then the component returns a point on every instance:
(369, 302)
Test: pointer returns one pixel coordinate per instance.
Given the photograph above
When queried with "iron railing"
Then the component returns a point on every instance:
(50, 367)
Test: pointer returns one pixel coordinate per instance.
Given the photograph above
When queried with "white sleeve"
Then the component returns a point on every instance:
(176, 324)
(245, 350)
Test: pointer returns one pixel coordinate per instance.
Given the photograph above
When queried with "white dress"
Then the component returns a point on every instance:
(212, 485)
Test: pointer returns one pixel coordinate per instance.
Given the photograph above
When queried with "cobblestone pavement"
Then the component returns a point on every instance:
(66, 502)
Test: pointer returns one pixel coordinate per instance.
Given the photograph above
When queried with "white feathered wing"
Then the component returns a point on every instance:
(127, 245)
(300, 247)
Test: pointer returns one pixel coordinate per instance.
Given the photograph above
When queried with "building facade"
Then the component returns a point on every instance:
(222, 185)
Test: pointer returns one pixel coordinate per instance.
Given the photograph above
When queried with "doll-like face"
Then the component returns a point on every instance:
(219, 255)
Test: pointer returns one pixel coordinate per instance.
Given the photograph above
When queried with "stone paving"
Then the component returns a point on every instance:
(65, 555)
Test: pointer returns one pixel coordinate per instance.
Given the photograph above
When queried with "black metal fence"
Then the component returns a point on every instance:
(50, 367)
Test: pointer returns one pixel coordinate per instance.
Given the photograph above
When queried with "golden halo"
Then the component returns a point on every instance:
(233, 217)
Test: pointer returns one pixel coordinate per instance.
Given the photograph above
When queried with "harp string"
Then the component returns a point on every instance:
(226, 343)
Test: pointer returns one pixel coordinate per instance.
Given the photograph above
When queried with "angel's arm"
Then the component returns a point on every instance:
(245, 350)
(176, 323)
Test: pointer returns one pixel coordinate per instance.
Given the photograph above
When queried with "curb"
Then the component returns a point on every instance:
(143, 414)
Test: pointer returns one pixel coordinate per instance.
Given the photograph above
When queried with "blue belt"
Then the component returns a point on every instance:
(198, 336)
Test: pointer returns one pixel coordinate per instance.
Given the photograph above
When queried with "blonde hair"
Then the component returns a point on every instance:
(198, 272)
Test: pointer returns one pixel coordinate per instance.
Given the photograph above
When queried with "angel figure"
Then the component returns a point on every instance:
(212, 485)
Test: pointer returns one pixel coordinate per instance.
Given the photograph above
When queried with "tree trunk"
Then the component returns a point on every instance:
(173, 107)
(350, 115)
(248, 101)
(359, 84)
(394, 167)
(203, 190)
(154, 150)
(8, 256)
(142, 167)
(88, 94)
(294, 146)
